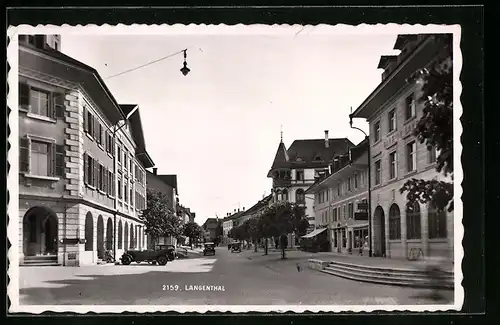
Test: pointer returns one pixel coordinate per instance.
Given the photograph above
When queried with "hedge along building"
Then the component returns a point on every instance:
(396, 156)
(72, 205)
(295, 169)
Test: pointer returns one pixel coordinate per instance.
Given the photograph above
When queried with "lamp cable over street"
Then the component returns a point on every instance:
(155, 61)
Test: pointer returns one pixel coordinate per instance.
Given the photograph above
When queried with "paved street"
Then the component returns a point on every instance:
(245, 278)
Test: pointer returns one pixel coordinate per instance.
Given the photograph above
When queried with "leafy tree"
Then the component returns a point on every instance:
(218, 232)
(192, 231)
(159, 217)
(435, 128)
(252, 231)
(280, 219)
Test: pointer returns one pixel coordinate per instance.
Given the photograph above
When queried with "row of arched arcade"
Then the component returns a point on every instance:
(395, 234)
(129, 235)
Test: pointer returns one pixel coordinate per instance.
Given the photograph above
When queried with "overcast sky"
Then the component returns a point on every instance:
(218, 128)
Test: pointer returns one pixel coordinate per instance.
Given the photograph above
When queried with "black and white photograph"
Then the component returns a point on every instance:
(271, 168)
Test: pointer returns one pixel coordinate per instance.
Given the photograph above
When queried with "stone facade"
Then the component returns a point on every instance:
(396, 156)
(62, 213)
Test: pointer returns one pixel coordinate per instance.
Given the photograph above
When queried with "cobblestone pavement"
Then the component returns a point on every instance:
(245, 278)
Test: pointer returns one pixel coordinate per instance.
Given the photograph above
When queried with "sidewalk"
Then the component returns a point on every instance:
(301, 256)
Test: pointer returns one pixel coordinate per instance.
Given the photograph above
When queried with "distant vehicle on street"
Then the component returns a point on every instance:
(209, 249)
(236, 247)
(161, 254)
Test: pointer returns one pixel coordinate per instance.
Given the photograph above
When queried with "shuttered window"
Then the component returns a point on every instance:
(59, 160)
(41, 102)
(24, 155)
(41, 158)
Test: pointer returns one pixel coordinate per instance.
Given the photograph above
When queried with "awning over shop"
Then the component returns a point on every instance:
(314, 233)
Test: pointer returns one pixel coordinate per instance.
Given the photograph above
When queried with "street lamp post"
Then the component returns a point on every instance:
(370, 252)
(185, 70)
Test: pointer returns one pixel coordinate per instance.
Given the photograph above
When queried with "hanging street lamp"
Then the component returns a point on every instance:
(185, 70)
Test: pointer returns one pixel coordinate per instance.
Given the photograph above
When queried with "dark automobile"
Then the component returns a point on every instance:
(236, 247)
(209, 249)
(161, 254)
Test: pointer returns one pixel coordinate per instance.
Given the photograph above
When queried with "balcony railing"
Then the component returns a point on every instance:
(302, 181)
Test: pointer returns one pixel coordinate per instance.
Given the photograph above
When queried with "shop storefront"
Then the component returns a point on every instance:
(350, 237)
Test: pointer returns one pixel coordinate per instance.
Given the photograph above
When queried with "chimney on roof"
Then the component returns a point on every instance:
(155, 171)
(327, 142)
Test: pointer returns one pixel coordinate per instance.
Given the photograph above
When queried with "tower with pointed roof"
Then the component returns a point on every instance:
(298, 167)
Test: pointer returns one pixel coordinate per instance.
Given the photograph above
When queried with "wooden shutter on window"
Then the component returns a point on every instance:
(94, 127)
(52, 157)
(85, 119)
(24, 155)
(24, 95)
(85, 168)
(58, 99)
(106, 140)
(59, 157)
(94, 172)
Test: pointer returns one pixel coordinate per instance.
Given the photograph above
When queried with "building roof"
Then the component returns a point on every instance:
(281, 157)
(92, 85)
(137, 133)
(385, 60)
(402, 39)
(169, 180)
(346, 158)
(309, 153)
(257, 206)
(90, 80)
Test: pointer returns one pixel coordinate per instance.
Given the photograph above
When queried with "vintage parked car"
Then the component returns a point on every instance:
(161, 254)
(209, 249)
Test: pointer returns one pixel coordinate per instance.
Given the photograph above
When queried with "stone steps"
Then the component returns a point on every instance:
(389, 276)
(40, 260)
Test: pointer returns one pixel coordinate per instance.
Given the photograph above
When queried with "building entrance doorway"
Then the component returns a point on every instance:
(40, 232)
(379, 230)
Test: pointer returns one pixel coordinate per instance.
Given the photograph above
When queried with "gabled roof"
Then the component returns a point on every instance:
(137, 132)
(344, 159)
(385, 60)
(89, 79)
(257, 206)
(169, 180)
(309, 153)
(313, 151)
(402, 39)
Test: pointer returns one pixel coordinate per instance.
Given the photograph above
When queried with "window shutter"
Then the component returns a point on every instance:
(85, 168)
(106, 140)
(58, 100)
(52, 153)
(94, 127)
(24, 155)
(59, 153)
(24, 95)
(85, 119)
(94, 172)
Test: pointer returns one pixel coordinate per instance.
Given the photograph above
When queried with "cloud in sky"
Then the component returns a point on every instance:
(218, 128)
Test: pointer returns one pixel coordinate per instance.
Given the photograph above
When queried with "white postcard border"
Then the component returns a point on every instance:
(222, 29)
